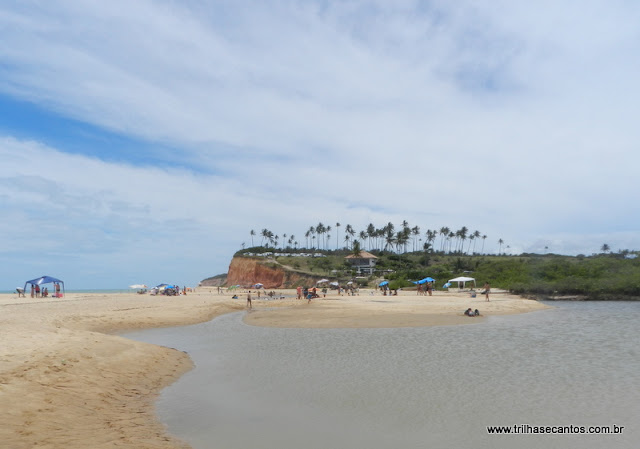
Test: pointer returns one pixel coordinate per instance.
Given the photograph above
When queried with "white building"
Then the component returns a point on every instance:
(364, 262)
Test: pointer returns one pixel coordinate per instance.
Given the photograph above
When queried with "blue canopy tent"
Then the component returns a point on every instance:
(165, 289)
(383, 283)
(425, 280)
(44, 280)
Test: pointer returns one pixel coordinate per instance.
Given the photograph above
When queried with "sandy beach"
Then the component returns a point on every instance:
(68, 381)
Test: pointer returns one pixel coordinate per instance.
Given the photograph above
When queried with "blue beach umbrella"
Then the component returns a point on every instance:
(424, 281)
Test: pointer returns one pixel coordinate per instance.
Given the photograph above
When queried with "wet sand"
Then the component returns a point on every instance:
(67, 381)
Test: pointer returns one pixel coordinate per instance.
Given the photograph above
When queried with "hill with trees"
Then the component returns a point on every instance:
(605, 276)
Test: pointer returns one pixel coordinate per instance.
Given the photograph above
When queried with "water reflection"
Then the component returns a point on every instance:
(408, 387)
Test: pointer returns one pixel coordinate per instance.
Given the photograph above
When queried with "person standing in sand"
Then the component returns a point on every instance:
(487, 289)
(249, 299)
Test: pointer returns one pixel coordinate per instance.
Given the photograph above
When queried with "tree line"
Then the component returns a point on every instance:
(386, 238)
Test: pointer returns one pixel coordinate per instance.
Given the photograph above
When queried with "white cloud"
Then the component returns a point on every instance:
(516, 119)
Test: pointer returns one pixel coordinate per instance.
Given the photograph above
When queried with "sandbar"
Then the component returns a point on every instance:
(68, 381)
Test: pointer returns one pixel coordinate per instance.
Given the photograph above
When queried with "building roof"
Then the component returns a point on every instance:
(362, 255)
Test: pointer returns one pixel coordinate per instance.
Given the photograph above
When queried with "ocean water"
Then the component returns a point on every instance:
(575, 365)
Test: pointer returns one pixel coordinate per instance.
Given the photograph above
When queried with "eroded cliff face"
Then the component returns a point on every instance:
(246, 271)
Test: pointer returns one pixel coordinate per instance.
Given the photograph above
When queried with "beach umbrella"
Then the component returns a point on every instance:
(334, 283)
(383, 283)
(425, 280)
(322, 280)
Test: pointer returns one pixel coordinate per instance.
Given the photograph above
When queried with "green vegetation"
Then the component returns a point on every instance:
(598, 277)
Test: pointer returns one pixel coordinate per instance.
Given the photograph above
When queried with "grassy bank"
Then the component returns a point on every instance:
(600, 277)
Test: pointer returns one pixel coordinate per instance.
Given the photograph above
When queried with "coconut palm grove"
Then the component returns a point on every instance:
(407, 253)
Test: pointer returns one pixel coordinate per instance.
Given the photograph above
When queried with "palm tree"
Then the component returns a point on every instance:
(326, 242)
(363, 236)
(371, 233)
(337, 233)
(265, 235)
(307, 234)
(605, 248)
(416, 232)
(462, 234)
(349, 229)
(389, 229)
(401, 239)
(378, 235)
(389, 239)
(500, 242)
(320, 230)
(449, 237)
(312, 232)
(476, 235)
(484, 237)
(431, 237)
(252, 234)
(444, 233)
(355, 248)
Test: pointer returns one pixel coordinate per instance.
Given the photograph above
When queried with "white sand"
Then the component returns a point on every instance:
(67, 382)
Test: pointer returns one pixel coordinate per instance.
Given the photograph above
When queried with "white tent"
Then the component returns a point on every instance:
(462, 280)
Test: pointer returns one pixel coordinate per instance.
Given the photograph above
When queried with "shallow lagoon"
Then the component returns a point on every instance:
(578, 364)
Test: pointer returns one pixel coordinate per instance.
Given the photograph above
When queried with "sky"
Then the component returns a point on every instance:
(141, 142)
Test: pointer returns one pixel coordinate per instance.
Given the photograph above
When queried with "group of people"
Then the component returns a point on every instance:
(37, 292)
(270, 294)
(470, 312)
(310, 293)
(171, 290)
(425, 289)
